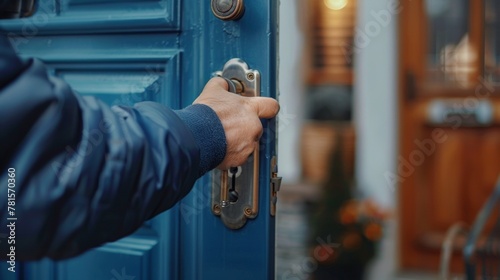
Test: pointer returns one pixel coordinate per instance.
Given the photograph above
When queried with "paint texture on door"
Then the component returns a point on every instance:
(107, 49)
(127, 51)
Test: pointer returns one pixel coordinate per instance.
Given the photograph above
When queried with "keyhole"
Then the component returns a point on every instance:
(233, 194)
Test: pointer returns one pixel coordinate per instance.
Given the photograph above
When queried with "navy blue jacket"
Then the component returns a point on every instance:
(86, 173)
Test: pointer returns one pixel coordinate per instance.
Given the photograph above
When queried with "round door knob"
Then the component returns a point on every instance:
(228, 9)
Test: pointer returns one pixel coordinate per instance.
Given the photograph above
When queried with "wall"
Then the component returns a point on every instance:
(375, 113)
(291, 92)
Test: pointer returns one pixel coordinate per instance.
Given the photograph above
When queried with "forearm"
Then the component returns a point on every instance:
(89, 174)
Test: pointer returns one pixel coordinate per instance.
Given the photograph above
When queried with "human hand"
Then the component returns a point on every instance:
(240, 118)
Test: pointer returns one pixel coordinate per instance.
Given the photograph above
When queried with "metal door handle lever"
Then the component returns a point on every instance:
(235, 193)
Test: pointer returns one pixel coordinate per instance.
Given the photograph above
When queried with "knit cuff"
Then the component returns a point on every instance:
(208, 133)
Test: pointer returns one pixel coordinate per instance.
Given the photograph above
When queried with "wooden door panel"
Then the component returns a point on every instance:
(489, 158)
(125, 51)
(444, 181)
(453, 182)
(81, 16)
(119, 69)
(131, 256)
(488, 169)
(135, 73)
(458, 177)
(126, 78)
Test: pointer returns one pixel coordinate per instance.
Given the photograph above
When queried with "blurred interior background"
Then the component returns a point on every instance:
(389, 137)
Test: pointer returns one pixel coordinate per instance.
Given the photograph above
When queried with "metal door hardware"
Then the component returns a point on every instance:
(275, 185)
(235, 192)
(453, 111)
(228, 9)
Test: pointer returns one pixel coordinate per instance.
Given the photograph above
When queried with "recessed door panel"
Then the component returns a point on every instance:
(127, 51)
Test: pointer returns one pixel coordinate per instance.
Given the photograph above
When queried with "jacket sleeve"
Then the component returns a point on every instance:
(86, 173)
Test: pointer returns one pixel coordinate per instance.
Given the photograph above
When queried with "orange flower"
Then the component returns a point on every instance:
(373, 231)
(349, 213)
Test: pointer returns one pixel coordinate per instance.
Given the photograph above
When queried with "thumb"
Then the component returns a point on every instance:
(217, 83)
(266, 107)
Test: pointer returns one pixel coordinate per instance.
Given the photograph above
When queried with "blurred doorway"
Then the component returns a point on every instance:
(449, 155)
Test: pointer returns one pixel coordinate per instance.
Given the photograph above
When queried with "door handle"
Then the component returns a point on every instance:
(235, 192)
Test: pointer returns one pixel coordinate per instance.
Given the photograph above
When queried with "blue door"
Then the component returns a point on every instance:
(126, 51)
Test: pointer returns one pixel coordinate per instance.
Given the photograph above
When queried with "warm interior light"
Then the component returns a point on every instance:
(336, 4)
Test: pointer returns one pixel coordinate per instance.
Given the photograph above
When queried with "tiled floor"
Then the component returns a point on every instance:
(292, 259)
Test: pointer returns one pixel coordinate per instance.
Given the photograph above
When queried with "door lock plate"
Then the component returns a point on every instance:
(235, 192)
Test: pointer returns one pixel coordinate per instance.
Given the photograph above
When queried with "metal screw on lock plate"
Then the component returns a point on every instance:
(228, 9)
